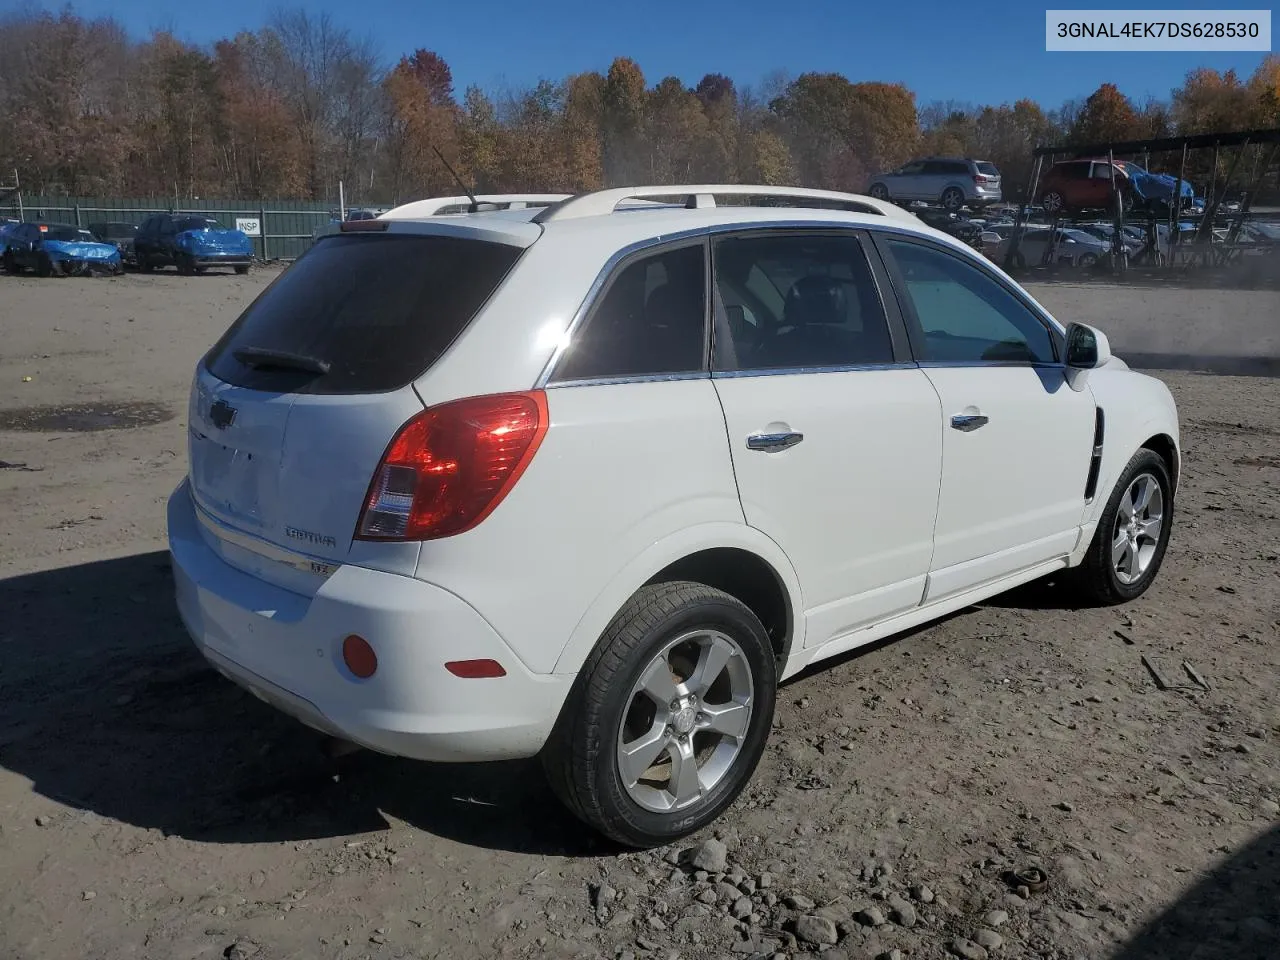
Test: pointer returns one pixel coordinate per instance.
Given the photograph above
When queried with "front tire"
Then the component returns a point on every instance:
(668, 718)
(1132, 536)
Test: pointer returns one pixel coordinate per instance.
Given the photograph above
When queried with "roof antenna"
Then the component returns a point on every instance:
(475, 204)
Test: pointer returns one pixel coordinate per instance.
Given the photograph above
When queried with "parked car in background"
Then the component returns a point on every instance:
(960, 228)
(588, 485)
(1071, 186)
(1074, 185)
(952, 182)
(1132, 240)
(1156, 190)
(1074, 247)
(120, 235)
(190, 243)
(57, 249)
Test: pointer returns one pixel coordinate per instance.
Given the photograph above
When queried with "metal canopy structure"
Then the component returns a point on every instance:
(1198, 141)
(1241, 139)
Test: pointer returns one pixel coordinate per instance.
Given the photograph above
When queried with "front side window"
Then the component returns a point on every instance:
(651, 321)
(797, 300)
(965, 316)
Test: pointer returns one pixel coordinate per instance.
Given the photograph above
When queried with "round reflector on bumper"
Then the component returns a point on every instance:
(359, 657)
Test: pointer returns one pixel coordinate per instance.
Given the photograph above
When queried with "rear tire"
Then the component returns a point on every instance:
(143, 263)
(242, 270)
(44, 266)
(952, 199)
(618, 711)
(1123, 559)
(186, 266)
(10, 264)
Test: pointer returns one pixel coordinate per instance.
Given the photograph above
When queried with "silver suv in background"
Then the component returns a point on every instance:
(953, 182)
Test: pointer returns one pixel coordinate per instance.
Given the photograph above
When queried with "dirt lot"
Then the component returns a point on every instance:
(148, 809)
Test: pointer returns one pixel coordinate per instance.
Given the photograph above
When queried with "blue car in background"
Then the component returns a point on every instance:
(1156, 188)
(190, 243)
(57, 249)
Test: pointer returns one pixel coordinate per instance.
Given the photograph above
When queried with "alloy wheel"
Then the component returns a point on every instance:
(685, 721)
(1139, 522)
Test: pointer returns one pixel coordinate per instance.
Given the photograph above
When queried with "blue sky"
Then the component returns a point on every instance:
(964, 50)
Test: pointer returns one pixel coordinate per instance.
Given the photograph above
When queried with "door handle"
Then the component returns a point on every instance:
(773, 441)
(968, 422)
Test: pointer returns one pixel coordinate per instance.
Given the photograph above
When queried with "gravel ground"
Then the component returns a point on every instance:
(149, 809)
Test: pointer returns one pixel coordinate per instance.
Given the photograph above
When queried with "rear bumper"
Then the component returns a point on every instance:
(286, 649)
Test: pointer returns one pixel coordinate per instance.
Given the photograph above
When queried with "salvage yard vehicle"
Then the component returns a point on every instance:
(588, 484)
(120, 235)
(952, 182)
(190, 243)
(58, 249)
(1071, 186)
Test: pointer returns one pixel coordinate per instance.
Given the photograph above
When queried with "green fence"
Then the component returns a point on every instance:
(281, 229)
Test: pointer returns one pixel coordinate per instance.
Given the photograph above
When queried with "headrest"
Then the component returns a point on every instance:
(816, 299)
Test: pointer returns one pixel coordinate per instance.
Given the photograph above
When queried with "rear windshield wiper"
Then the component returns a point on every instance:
(260, 357)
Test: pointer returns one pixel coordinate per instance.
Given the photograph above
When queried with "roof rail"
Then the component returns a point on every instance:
(446, 206)
(703, 197)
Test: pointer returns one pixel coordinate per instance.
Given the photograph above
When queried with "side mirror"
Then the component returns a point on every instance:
(1087, 348)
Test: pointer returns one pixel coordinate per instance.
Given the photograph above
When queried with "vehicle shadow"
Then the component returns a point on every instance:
(105, 706)
(1233, 912)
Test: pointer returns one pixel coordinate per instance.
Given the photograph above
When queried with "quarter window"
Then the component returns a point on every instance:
(797, 301)
(965, 315)
(651, 321)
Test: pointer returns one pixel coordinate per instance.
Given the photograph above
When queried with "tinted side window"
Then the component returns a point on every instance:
(824, 309)
(650, 321)
(378, 309)
(965, 315)
(957, 166)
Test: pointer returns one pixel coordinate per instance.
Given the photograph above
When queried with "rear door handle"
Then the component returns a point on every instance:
(773, 441)
(968, 421)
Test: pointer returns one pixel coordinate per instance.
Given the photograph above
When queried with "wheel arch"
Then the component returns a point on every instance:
(1165, 447)
(736, 558)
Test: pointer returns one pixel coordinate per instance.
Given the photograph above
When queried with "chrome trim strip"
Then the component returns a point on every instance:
(1036, 364)
(796, 371)
(260, 547)
(645, 378)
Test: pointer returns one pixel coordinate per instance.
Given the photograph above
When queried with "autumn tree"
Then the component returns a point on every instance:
(420, 117)
(259, 151)
(1107, 116)
(623, 123)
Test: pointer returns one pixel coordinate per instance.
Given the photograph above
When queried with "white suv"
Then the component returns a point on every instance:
(589, 484)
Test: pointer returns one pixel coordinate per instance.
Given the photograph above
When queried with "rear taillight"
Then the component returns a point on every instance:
(450, 466)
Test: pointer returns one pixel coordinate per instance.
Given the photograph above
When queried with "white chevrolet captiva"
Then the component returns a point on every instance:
(588, 480)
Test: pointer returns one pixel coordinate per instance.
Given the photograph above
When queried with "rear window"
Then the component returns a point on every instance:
(377, 309)
(987, 169)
